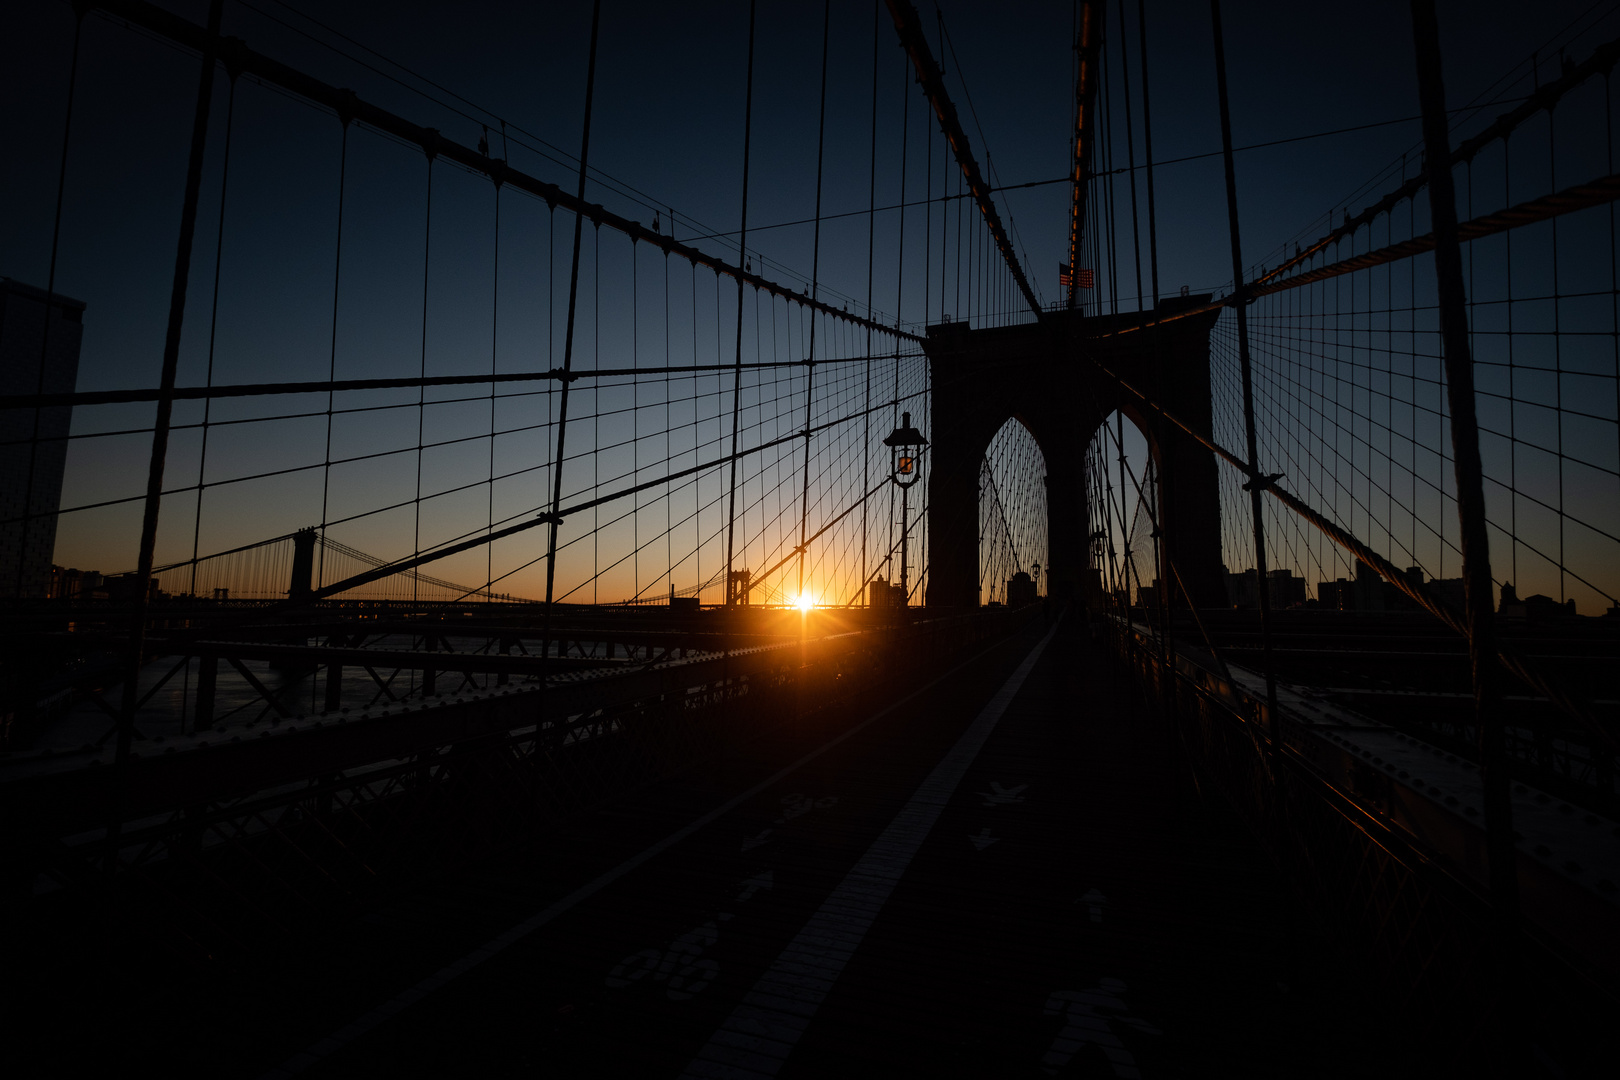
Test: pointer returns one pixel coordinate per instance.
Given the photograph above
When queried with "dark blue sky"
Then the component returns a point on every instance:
(669, 110)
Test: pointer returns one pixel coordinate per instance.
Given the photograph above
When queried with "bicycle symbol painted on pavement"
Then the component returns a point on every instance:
(682, 966)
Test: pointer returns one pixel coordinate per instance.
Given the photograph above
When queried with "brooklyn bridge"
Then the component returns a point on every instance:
(1077, 541)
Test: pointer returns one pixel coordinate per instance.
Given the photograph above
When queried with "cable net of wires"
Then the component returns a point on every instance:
(1349, 391)
(1012, 516)
(388, 365)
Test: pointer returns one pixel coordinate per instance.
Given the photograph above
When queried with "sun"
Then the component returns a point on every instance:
(805, 602)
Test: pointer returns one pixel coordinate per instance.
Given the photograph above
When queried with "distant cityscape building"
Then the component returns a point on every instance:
(1283, 589)
(39, 353)
(1370, 592)
(1338, 595)
(1535, 606)
(880, 594)
(71, 584)
(1020, 590)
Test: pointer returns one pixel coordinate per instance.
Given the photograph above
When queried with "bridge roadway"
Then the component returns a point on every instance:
(1002, 874)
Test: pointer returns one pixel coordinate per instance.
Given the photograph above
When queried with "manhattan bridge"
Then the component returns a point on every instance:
(540, 626)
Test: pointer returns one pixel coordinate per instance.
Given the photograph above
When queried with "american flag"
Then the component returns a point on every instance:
(1084, 277)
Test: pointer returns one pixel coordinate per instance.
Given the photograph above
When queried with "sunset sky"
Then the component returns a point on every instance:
(667, 138)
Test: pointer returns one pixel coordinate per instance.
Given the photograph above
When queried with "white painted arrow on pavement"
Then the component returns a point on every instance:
(754, 884)
(984, 839)
(1003, 796)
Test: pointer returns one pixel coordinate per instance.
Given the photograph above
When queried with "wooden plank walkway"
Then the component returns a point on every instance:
(942, 892)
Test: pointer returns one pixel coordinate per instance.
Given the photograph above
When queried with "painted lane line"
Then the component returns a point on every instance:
(762, 1031)
(314, 1053)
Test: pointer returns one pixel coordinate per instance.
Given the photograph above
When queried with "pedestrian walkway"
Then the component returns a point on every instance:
(1005, 874)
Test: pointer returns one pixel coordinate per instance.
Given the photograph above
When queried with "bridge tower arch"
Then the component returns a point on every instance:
(1041, 374)
(1012, 517)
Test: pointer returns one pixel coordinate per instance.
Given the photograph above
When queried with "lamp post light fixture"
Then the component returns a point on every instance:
(905, 445)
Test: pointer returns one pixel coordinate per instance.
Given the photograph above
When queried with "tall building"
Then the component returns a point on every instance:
(1020, 590)
(34, 335)
(1339, 595)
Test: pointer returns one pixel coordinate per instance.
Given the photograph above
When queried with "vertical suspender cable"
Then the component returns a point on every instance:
(958, 272)
(213, 325)
(208, 403)
(944, 192)
(900, 276)
(635, 415)
(160, 431)
(568, 340)
(742, 250)
(331, 398)
(1147, 151)
(1130, 150)
(1111, 239)
(421, 391)
(815, 288)
(669, 493)
(1136, 243)
(928, 220)
(1257, 482)
(596, 408)
(1475, 540)
(494, 368)
(871, 251)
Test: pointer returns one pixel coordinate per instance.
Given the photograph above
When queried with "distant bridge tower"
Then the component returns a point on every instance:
(1038, 374)
(303, 567)
(738, 586)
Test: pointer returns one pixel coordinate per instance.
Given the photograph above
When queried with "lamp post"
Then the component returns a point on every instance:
(905, 443)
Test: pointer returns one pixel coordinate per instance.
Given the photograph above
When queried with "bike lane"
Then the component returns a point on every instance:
(631, 975)
(1078, 911)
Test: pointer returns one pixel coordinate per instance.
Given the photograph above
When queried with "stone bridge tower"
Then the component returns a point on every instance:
(1039, 374)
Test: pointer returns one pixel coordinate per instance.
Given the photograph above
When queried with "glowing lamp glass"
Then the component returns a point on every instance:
(905, 445)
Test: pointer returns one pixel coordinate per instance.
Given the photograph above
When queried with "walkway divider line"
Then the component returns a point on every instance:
(313, 1054)
(755, 1041)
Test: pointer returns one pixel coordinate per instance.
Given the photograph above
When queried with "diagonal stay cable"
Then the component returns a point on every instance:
(1520, 667)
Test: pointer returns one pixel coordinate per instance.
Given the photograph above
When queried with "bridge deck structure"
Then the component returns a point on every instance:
(1002, 872)
(1009, 865)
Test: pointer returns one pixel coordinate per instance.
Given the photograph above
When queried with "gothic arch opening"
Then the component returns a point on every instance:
(1125, 500)
(1013, 547)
